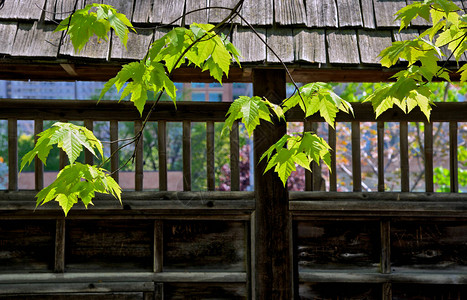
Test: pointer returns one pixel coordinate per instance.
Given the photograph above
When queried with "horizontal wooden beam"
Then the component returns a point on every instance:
(92, 287)
(201, 111)
(358, 276)
(377, 196)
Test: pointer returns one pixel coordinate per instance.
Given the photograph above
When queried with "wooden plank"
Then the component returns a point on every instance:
(235, 158)
(321, 13)
(387, 291)
(210, 175)
(428, 138)
(158, 246)
(162, 149)
(258, 12)
(429, 291)
(70, 290)
(404, 35)
(186, 155)
(371, 43)
(356, 158)
(199, 16)
(139, 45)
(309, 45)
(123, 6)
(114, 164)
(36, 39)
(318, 181)
(205, 291)
(167, 11)
(159, 293)
(386, 10)
(98, 49)
(63, 8)
(342, 46)
(453, 159)
(380, 145)
(373, 196)
(331, 290)
(368, 14)
(139, 159)
(7, 35)
(333, 173)
(142, 11)
(38, 165)
(59, 266)
(281, 42)
(250, 46)
(12, 154)
(218, 15)
(88, 157)
(272, 260)
(404, 153)
(18, 9)
(349, 13)
(307, 126)
(289, 12)
(385, 260)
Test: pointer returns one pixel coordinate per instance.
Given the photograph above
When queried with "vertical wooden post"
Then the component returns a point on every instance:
(162, 145)
(210, 176)
(273, 278)
(333, 145)
(88, 157)
(316, 169)
(404, 148)
(158, 245)
(12, 155)
(429, 187)
(356, 158)
(38, 165)
(308, 175)
(380, 133)
(186, 155)
(453, 164)
(235, 158)
(60, 246)
(113, 149)
(139, 161)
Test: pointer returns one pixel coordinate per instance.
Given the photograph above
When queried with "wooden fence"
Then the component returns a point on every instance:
(265, 244)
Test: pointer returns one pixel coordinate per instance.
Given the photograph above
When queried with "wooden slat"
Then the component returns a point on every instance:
(356, 158)
(385, 263)
(218, 15)
(200, 17)
(158, 245)
(122, 6)
(18, 9)
(211, 178)
(318, 182)
(377, 197)
(342, 46)
(166, 11)
(78, 290)
(404, 153)
(235, 158)
(59, 265)
(159, 293)
(281, 41)
(12, 154)
(63, 8)
(289, 12)
(371, 43)
(385, 11)
(309, 45)
(453, 160)
(380, 145)
(387, 291)
(38, 165)
(88, 157)
(428, 136)
(349, 13)
(333, 173)
(368, 14)
(113, 149)
(258, 12)
(142, 11)
(139, 160)
(95, 48)
(251, 47)
(321, 13)
(186, 155)
(308, 175)
(7, 35)
(162, 148)
(138, 45)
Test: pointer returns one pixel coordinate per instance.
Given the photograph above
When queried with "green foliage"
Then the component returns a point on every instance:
(95, 19)
(291, 150)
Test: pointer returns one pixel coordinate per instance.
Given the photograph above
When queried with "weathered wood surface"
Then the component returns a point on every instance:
(309, 45)
(203, 291)
(339, 291)
(218, 15)
(349, 13)
(35, 39)
(435, 291)
(342, 46)
(12, 154)
(26, 245)
(79, 296)
(94, 287)
(258, 12)
(198, 16)
(389, 8)
(204, 245)
(337, 245)
(368, 14)
(19, 9)
(250, 45)
(289, 12)
(7, 35)
(371, 43)
(321, 13)
(137, 45)
(167, 11)
(281, 43)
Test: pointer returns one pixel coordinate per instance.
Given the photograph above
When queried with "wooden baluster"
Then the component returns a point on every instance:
(333, 173)
(453, 165)
(210, 175)
(62, 157)
(186, 155)
(404, 148)
(88, 157)
(308, 175)
(139, 161)
(235, 158)
(113, 149)
(315, 168)
(356, 158)
(429, 186)
(162, 145)
(158, 245)
(12, 154)
(38, 165)
(59, 265)
(380, 145)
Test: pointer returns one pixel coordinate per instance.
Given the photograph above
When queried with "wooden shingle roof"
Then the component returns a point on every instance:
(306, 34)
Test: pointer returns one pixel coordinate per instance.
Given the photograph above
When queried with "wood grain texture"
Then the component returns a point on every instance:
(38, 165)
(114, 164)
(309, 45)
(349, 13)
(7, 35)
(453, 158)
(12, 154)
(122, 6)
(234, 158)
(258, 12)
(139, 157)
(137, 45)
(199, 16)
(142, 11)
(167, 11)
(178, 291)
(368, 14)
(380, 145)
(289, 12)
(404, 156)
(385, 260)
(35, 39)
(386, 10)
(342, 46)
(281, 42)
(20, 9)
(218, 15)
(356, 158)
(63, 8)
(346, 291)
(249, 45)
(428, 153)
(210, 157)
(95, 48)
(321, 13)
(371, 43)
(59, 266)
(186, 139)
(162, 149)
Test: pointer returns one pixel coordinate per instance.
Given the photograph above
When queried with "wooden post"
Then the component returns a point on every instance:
(12, 155)
(38, 165)
(273, 278)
